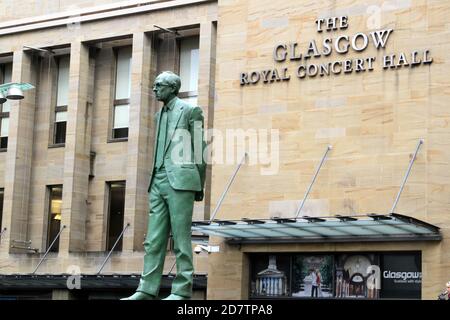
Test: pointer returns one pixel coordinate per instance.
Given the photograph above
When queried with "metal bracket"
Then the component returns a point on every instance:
(228, 187)
(48, 250)
(112, 249)
(312, 182)
(408, 171)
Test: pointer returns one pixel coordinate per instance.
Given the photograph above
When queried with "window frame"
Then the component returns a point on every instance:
(108, 214)
(121, 101)
(187, 94)
(58, 108)
(48, 239)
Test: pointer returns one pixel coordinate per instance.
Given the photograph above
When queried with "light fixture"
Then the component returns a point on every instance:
(198, 248)
(2, 98)
(13, 90)
(14, 93)
(56, 209)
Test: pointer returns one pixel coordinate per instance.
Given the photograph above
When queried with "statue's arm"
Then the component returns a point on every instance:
(196, 127)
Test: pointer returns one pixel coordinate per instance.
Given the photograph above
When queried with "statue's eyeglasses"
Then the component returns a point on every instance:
(159, 85)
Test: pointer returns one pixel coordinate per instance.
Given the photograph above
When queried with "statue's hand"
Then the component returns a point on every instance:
(199, 195)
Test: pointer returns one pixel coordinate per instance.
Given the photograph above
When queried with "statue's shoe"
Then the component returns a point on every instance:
(140, 296)
(176, 297)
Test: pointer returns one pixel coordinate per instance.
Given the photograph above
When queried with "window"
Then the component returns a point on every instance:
(116, 209)
(189, 66)
(5, 75)
(62, 98)
(122, 93)
(2, 193)
(54, 216)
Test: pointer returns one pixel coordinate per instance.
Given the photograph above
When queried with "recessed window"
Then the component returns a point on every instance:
(116, 210)
(189, 68)
(62, 100)
(122, 93)
(4, 128)
(54, 216)
(5, 77)
(121, 120)
(60, 127)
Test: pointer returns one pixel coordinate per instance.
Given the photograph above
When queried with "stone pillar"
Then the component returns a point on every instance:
(228, 272)
(206, 94)
(19, 154)
(77, 150)
(140, 140)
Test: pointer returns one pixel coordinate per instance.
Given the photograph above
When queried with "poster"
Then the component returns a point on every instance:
(270, 276)
(402, 275)
(357, 276)
(312, 276)
(350, 275)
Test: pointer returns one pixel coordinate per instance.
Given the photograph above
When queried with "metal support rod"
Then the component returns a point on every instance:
(408, 171)
(39, 49)
(22, 241)
(312, 182)
(171, 268)
(175, 32)
(48, 250)
(228, 187)
(113, 247)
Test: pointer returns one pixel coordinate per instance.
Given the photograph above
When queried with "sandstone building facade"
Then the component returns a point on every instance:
(368, 78)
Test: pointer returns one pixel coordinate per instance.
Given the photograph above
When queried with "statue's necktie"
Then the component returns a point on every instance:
(161, 138)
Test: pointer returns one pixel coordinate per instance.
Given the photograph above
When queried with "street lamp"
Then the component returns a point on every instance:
(198, 248)
(13, 91)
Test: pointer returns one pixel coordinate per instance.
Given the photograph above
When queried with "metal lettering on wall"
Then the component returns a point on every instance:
(341, 44)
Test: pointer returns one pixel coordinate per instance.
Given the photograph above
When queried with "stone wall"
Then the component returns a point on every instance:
(373, 120)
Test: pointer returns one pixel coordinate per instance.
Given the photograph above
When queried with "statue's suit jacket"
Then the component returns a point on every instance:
(187, 170)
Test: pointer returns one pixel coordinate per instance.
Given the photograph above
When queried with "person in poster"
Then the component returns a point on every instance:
(318, 282)
(312, 276)
(314, 286)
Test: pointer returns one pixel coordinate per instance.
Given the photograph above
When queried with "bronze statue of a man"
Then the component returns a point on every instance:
(177, 180)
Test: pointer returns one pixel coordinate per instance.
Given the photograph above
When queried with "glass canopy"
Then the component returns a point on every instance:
(23, 86)
(366, 228)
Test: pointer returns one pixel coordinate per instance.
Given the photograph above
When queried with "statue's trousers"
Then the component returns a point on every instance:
(170, 210)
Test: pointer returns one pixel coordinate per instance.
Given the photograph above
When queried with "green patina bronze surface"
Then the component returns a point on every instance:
(177, 180)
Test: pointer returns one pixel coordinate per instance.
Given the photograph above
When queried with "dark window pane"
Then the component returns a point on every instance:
(115, 214)
(120, 133)
(3, 142)
(54, 223)
(60, 132)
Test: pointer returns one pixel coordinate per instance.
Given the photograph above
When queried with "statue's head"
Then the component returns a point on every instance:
(166, 86)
